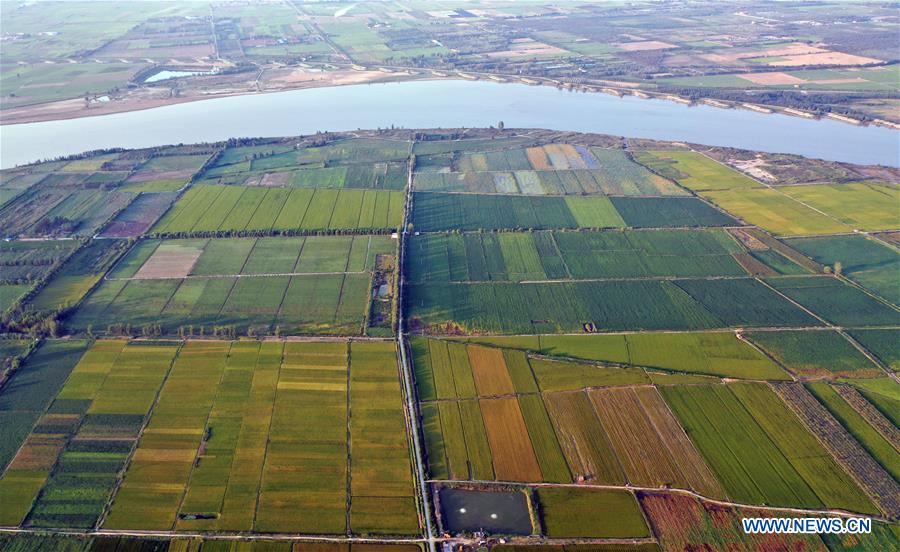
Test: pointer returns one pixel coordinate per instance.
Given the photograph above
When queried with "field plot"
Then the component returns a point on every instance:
(552, 307)
(881, 343)
(652, 448)
(22, 262)
(815, 353)
(24, 400)
(842, 439)
(353, 163)
(558, 255)
(776, 212)
(865, 261)
(24, 542)
(596, 171)
(11, 293)
(208, 209)
(209, 433)
(696, 171)
(567, 512)
(163, 173)
(859, 205)
(62, 204)
(139, 216)
(836, 301)
(685, 523)
(750, 466)
(314, 284)
(78, 275)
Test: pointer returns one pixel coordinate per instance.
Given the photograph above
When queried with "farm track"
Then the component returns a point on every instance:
(867, 472)
(683, 492)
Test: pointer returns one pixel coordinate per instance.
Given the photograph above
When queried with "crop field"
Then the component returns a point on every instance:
(859, 205)
(62, 204)
(720, 354)
(882, 344)
(866, 261)
(696, 171)
(226, 456)
(139, 216)
(857, 446)
(756, 460)
(78, 275)
(168, 172)
(510, 256)
(567, 512)
(552, 307)
(22, 262)
(684, 523)
(532, 172)
(208, 209)
(314, 284)
(815, 353)
(836, 301)
(868, 436)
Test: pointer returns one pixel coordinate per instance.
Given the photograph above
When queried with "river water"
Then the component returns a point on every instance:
(448, 103)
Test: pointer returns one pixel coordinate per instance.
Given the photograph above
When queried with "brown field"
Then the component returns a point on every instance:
(772, 79)
(38, 453)
(527, 48)
(749, 263)
(511, 448)
(789, 50)
(587, 448)
(642, 452)
(169, 263)
(823, 58)
(699, 477)
(489, 370)
(645, 45)
(538, 159)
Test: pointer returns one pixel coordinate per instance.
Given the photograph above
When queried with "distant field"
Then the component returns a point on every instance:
(296, 284)
(29, 261)
(548, 170)
(206, 209)
(212, 457)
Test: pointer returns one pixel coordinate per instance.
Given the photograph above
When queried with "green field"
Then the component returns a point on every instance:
(22, 262)
(312, 284)
(608, 305)
(590, 513)
(696, 171)
(815, 353)
(837, 302)
(881, 343)
(509, 256)
(748, 463)
(207, 210)
(206, 435)
(868, 262)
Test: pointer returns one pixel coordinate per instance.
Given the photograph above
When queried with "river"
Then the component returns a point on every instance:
(448, 103)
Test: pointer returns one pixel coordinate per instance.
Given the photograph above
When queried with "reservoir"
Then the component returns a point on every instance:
(448, 103)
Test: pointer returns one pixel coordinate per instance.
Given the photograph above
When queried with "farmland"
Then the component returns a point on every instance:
(209, 209)
(197, 454)
(586, 333)
(314, 284)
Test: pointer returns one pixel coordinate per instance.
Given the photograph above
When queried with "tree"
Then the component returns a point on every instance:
(500, 125)
(838, 268)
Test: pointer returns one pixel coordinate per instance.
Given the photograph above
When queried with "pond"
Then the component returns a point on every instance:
(503, 513)
(165, 74)
(448, 103)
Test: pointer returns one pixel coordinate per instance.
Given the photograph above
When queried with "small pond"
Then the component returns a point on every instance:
(492, 512)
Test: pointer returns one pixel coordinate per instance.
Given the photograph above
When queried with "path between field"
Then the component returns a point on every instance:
(785, 509)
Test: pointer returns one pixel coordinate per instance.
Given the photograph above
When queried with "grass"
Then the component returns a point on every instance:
(815, 353)
(568, 513)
